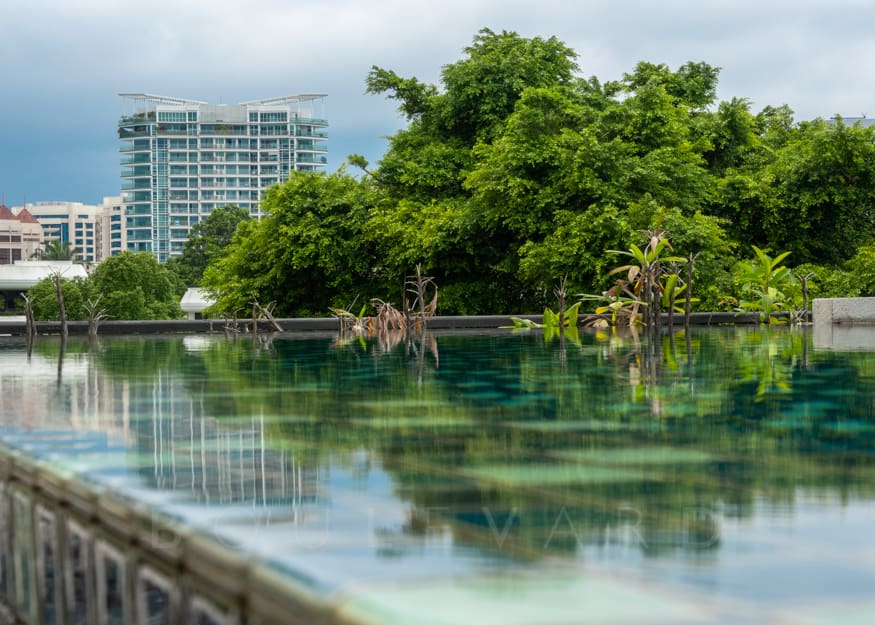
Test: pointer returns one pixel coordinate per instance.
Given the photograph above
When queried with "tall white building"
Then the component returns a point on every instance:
(183, 158)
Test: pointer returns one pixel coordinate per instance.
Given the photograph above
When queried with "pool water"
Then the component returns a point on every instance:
(490, 477)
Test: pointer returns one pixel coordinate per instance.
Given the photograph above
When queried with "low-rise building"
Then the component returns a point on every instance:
(20, 235)
(95, 231)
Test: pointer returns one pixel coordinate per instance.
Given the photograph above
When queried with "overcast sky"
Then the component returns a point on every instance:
(63, 63)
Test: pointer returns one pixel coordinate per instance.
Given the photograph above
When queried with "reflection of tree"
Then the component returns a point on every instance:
(769, 363)
(646, 445)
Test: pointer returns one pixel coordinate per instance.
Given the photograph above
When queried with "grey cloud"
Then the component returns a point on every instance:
(75, 57)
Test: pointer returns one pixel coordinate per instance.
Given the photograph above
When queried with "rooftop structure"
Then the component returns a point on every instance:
(864, 121)
(183, 158)
(24, 274)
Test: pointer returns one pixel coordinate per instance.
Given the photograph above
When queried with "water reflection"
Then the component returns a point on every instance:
(441, 454)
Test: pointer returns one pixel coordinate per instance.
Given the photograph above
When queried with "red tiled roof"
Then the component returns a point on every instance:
(26, 217)
(5, 213)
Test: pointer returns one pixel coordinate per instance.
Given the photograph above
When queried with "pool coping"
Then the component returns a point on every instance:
(323, 324)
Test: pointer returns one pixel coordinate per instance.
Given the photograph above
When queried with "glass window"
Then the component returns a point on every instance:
(171, 116)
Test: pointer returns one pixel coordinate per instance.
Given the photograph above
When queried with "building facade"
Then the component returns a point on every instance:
(20, 236)
(95, 231)
(183, 158)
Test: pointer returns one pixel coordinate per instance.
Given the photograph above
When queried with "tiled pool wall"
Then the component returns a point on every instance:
(71, 555)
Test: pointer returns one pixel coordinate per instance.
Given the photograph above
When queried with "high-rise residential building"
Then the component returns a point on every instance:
(183, 158)
(94, 231)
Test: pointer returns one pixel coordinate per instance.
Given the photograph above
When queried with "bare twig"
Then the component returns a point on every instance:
(62, 311)
(95, 316)
(419, 286)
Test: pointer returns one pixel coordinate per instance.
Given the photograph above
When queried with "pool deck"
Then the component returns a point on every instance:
(845, 323)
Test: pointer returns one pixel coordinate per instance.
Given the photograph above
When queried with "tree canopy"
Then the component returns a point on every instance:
(307, 253)
(127, 286)
(134, 285)
(515, 171)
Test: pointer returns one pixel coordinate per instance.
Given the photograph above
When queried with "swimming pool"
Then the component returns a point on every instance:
(489, 477)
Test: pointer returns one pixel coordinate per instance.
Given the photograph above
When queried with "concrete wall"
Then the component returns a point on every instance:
(844, 311)
(844, 323)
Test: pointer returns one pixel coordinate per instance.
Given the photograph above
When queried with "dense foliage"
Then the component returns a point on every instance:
(306, 252)
(207, 240)
(44, 299)
(516, 172)
(128, 286)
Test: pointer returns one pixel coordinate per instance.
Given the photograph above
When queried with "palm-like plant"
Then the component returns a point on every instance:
(646, 279)
(763, 278)
(55, 249)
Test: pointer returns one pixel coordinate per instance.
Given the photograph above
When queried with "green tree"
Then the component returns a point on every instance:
(862, 269)
(483, 88)
(426, 160)
(733, 135)
(577, 171)
(44, 298)
(430, 217)
(306, 254)
(136, 286)
(824, 191)
(693, 85)
(512, 173)
(576, 248)
(207, 240)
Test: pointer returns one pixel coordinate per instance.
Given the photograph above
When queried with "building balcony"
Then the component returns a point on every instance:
(311, 147)
(310, 158)
(140, 235)
(311, 121)
(135, 159)
(143, 184)
(130, 147)
(142, 171)
(138, 118)
(130, 133)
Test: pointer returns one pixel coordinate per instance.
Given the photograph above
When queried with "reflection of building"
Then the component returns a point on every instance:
(183, 158)
(96, 231)
(35, 395)
(216, 464)
(20, 236)
(158, 420)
